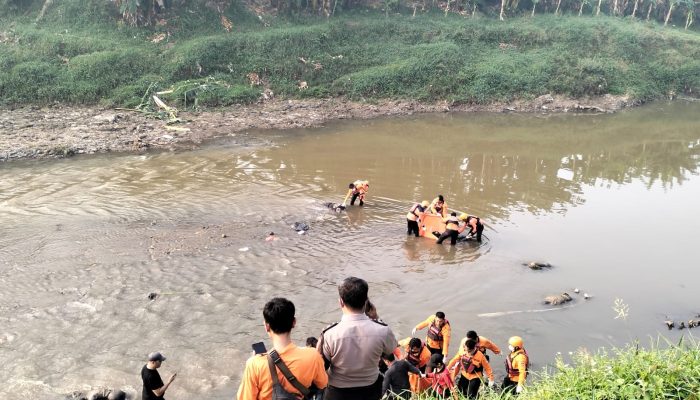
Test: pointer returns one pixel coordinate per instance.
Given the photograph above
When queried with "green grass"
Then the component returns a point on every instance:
(665, 371)
(71, 58)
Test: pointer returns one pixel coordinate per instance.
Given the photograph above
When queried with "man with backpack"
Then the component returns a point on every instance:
(286, 372)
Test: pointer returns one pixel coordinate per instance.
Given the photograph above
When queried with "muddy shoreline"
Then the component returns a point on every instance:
(64, 131)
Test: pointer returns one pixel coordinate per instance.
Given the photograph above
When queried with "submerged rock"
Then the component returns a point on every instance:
(537, 265)
(557, 299)
(300, 226)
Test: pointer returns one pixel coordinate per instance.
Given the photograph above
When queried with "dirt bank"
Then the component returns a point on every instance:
(63, 131)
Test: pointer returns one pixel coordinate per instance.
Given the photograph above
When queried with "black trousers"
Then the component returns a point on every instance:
(509, 386)
(448, 233)
(434, 350)
(469, 387)
(355, 196)
(479, 229)
(412, 227)
(371, 392)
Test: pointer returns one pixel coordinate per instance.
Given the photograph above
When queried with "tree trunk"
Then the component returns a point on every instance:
(597, 11)
(556, 12)
(580, 9)
(46, 6)
(634, 10)
(614, 8)
(503, 4)
(447, 8)
(670, 10)
(534, 4)
(689, 19)
(649, 11)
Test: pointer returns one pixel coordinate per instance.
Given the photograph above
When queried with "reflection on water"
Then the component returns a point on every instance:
(610, 200)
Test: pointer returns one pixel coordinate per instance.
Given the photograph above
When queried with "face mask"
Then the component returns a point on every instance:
(511, 348)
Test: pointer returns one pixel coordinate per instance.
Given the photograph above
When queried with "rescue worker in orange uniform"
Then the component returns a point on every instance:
(439, 333)
(414, 214)
(452, 229)
(517, 364)
(416, 353)
(482, 344)
(472, 363)
(357, 189)
(474, 224)
(438, 206)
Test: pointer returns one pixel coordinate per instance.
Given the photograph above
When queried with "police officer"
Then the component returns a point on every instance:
(353, 347)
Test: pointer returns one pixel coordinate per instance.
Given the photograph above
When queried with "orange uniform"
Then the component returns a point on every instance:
(437, 339)
(517, 364)
(418, 384)
(472, 365)
(482, 345)
(305, 363)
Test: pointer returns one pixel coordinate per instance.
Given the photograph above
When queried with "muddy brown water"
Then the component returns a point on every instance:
(610, 200)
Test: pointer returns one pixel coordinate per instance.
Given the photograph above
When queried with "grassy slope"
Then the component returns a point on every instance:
(426, 58)
(667, 372)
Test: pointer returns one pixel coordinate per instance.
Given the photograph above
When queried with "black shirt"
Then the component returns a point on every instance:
(151, 381)
(396, 377)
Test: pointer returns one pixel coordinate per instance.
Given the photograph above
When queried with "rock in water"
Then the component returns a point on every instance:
(300, 226)
(538, 265)
(557, 299)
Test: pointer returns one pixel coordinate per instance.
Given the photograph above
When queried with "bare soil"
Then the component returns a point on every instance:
(64, 131)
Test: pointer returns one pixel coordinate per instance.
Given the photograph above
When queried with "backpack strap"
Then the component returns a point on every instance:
(274, 358)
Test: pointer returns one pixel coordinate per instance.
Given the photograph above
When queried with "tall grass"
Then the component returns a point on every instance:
(361, 56)
(664, 371)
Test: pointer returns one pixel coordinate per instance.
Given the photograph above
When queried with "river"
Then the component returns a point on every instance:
(609, 200)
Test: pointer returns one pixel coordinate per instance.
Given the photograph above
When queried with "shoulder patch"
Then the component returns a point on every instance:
(329, 327)
(379, 322)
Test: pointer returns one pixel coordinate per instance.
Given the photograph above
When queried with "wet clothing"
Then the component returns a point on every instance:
(469, 387)
(151, 381)
(396, 379)
(479, 227)
(449, 233)
(359, 190)
(352, 349)
(412, 219)
(472, 367)
(441, 383)
(438, 340)
(305, 363)
(451, 230)
(436, 207)
(413, 228)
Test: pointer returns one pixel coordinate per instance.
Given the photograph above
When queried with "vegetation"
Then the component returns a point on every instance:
(671, 372)
(86, 51)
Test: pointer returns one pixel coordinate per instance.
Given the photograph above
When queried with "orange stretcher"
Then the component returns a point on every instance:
(430, 223)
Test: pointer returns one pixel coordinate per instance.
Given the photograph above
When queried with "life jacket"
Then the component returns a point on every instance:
(413, 209)
(413, 359)
(512, 371)
(468, 365)
(435, 333)
(452, 220)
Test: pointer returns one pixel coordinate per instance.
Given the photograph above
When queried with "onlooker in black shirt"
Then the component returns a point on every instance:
(153, 387)
(396, 382)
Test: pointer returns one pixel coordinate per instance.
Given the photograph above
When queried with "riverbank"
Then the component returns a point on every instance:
(64, 131)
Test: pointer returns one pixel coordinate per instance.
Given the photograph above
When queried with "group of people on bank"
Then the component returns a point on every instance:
(454, 224)
(359, 357)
